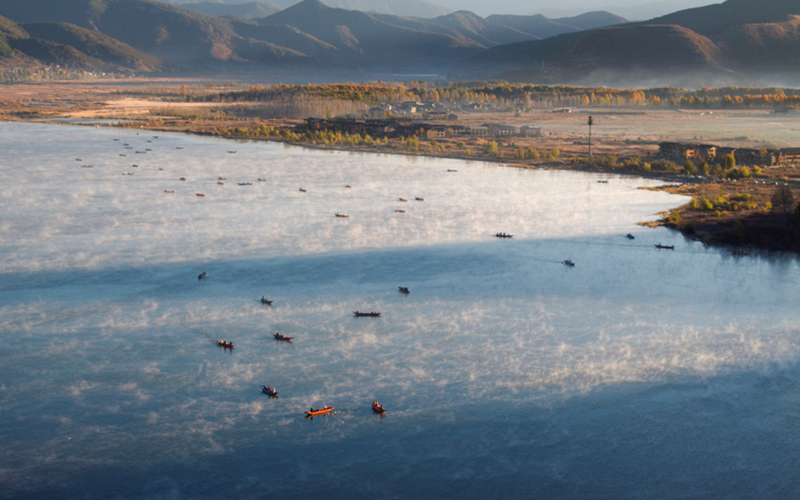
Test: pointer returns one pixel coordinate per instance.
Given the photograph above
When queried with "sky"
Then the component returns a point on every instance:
(631, 9)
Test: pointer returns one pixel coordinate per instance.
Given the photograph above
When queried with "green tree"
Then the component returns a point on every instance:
(728, 161)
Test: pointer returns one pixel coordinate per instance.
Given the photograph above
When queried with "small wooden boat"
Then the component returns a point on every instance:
(178, 147)
(320, 411)
(400, 211)
(503, 235)
(419, 199)
(129, 173)
(344, 216)
(161, 168)
(630, 236)
(402, 199)
(225, 344)
(135, 166)
(222, 178)
(602, 182)
(232, 152)
(282, 338)
(117, 140)
(269, 391)
(87, 166)
(568, 263)
(302, 190)
(220, 183)
(403, 290)
(200, 194)
(367, 315)
(148, 149)
(202, 276)
(348, 186)
(245, 183)
(123, 155)
(183, 178)
(171, 191)
(261, 180)
(377, 408)
(451, 170)
(665, 247)
(266, 301)
(148, 140)
(78, 159)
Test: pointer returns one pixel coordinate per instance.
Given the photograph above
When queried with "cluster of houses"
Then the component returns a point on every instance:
(406, 127)
(430, 110)
(743, 156)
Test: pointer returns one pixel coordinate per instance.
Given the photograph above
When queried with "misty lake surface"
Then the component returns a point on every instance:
(638, 373)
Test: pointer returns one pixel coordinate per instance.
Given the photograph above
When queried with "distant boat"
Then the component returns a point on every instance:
(264, 300)
(245, 183)
(135, 165)
(161, 168)
(568, 263)
(402, 199)
(302, 190)
(269, 391)
(123, 155)
(232, 152)
(400, 211)
(503, 235)
(348, 186)
(220, 183)
(183, 178)
(630, 236)
(200, 194)
(451, 170)
(225, 344)
(602, 182)
(282, 338)
(116, 140)
(87, 166)
(262, 180)
(369, 314)
(202, 275)
(377, 408)
(665, 247)
(321, 411)
(344, 216)
(403, 289)
(222, 178)
(169, 191)
(78, 159)
(419, 199)
(178, 147)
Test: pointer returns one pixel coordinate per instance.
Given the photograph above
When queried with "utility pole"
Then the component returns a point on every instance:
(591, 122)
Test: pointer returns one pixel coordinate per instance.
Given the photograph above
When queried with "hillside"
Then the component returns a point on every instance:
(250, 10)
(96, 45)
(734, 42)
(69, 46)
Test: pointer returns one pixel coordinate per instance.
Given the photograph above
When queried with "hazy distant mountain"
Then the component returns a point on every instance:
(374, 39)
(592, 20)
(538, 25)
(250, 10)
(739, 39)
(403, 8)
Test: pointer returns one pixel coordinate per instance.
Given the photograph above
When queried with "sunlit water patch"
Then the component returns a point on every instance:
(638, 372)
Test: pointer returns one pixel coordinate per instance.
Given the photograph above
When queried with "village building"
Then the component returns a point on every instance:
(501, 130)
(530, 131)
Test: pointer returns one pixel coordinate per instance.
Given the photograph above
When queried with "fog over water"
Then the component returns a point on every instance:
(638, 373)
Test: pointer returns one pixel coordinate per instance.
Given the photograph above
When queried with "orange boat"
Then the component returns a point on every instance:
(321, 411)
(225, 344)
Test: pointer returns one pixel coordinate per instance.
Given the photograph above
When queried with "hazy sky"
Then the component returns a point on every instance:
(632, 9)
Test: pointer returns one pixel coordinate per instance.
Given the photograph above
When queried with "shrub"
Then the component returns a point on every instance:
(707, 204)
(693, 204)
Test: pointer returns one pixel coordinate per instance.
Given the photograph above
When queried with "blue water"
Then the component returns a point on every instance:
(638, 373)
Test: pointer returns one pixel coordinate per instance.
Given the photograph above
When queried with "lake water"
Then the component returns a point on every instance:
(638, 373)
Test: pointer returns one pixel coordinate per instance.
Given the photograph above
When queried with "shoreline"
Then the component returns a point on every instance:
(717, 231)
